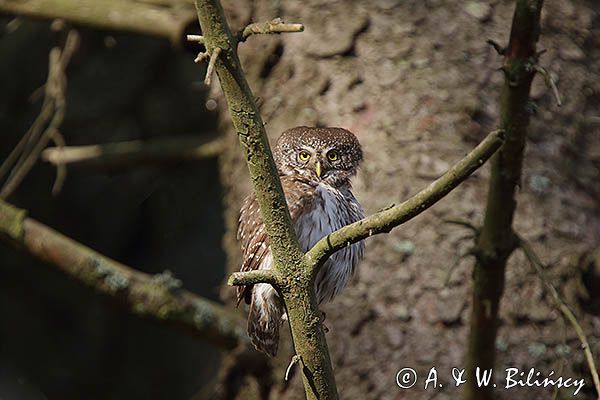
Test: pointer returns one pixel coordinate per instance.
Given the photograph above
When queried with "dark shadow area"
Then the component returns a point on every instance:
(60, 340)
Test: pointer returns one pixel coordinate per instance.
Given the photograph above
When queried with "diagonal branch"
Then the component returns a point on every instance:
(155, 297)
(251, 132)
(535, 261)
(389, 218)
(298, 293)
(26, 153)
(386, 220)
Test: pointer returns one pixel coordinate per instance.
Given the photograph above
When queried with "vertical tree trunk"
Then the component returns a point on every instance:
(291, 275)
(496, 241)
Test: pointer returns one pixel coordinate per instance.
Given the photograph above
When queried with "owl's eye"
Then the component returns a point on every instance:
(303, 155)
(332, 155)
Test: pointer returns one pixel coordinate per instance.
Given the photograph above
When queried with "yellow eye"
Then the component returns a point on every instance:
(303, 155)
(332, 155)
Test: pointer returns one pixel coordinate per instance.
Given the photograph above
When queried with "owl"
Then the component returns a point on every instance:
(315, 166)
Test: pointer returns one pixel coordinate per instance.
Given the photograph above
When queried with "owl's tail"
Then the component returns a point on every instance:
(265, 318)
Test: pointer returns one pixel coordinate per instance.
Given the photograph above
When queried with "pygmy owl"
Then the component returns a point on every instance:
(315, 166)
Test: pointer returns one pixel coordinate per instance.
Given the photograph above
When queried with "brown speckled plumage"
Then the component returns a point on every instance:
(320, 202)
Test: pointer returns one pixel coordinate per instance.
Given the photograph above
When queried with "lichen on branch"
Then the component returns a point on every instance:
(156, 297)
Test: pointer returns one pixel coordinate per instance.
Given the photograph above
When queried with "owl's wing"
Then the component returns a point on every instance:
(252, 234)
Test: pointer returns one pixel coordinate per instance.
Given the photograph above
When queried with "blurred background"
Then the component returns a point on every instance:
(61, 339)
(416, 82)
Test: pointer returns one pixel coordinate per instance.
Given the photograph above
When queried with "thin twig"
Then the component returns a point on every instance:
(497, 46)
(274, 26)
(564, 309)
(61, 169)
(203, 55)
(211, 65)
(195, 38)
(461, 222)
(550, 83)
(295, 360)
(452, 268)
(28, 150)
(135, 152)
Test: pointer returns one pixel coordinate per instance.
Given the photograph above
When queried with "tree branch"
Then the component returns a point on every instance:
(274, 26)
(549, 82)
(296, 270)
(254, 277)
(495, 242)
(386, 220)
(167, 18)
(214, 55)
(195, 39)
(537, 264)
(134, 152)
(297, 288)
(45, 127)
(251, 132)
(156, 297)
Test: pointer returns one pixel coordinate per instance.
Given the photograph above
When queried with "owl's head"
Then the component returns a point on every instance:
(328, 155)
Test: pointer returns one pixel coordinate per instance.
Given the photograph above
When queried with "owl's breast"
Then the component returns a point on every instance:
(330, 210)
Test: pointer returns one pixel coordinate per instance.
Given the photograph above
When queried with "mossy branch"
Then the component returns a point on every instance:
(251, 132)
(158, 297)
(296, 287)
(167, 18)
(254, 277)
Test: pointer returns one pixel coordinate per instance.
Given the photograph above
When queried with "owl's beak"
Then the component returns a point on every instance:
(318, 169)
